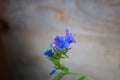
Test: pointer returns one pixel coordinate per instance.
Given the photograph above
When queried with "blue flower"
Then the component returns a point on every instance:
(52, 72)
(63, 42)
(69, 37)
(48, 53)
(60, 42)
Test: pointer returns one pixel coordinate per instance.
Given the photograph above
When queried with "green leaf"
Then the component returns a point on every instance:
(58, 76)
(55, 61)
(63, 68)
(89, 78)
(66, 56)
(82, 77)
(63, 57)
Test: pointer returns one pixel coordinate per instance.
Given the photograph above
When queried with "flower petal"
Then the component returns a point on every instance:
(48, 53)
(69, 37)
(60, 42)
(52, 72)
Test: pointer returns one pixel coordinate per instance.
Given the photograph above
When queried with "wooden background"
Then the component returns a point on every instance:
(33, 23)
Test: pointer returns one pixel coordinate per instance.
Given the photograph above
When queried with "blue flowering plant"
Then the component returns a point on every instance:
(58, 50)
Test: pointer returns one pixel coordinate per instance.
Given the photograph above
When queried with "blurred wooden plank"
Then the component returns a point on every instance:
(4, 69)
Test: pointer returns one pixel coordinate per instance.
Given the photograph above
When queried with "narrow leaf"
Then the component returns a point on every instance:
(55, 61)
(67, 56)
(63, 68)
(58, 76)
(82, 78)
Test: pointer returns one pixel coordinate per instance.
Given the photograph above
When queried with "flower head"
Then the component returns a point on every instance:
(52, 72)
(63, 42)
(60, 42)
(69, 37)
(48, 53)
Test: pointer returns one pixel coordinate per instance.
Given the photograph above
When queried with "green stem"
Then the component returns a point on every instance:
(72, 73)
(76, 74)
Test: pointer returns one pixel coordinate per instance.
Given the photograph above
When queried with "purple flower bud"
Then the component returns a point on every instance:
(60, 42)
(52, 72)
(69, 37)
(48, 53)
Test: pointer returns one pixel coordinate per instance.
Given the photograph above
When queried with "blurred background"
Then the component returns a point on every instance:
(27, 27)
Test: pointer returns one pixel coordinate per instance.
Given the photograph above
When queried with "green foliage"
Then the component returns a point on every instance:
(82, 77)
(57, 56)
(58, 76)
(58, 50)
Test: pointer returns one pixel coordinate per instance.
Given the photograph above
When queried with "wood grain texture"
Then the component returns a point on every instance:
(4, 69)
(61, 16)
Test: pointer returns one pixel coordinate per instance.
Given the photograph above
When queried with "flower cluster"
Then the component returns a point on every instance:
(61, 43)
(58, 48)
